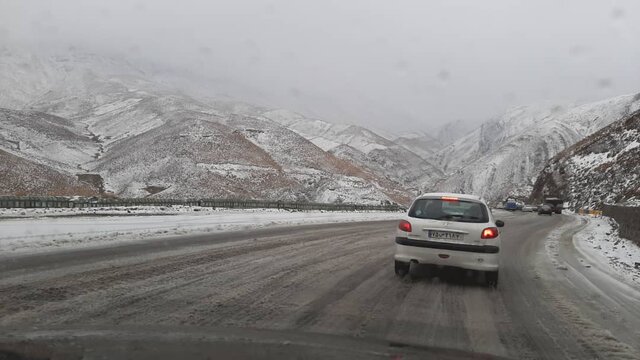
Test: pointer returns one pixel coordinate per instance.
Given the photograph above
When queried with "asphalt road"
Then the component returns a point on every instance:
(336, 281)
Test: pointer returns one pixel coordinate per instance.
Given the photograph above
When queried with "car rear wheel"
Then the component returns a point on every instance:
(401, 268)
(491, 278)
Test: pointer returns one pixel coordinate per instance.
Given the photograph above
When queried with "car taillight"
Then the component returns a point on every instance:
(489, 233)
(404, 225)
(449, 198)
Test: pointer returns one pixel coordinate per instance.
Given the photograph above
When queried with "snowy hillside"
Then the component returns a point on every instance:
(48, 139)
(419, 143)
(329, 136)
(64, 84)
(82, 113)
(392, 159)
(427, 144)
(504, 156)
(87, 114)
(19, 176)
(603, 168)
(452, 131)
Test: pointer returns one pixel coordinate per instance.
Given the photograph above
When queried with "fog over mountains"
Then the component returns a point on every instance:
(145, 135)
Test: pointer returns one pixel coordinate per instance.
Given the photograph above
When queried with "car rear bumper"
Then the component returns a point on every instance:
(473, 257)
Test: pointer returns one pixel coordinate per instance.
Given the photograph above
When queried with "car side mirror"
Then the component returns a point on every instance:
(499, 223)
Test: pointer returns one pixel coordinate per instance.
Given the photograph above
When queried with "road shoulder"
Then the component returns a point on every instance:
(601, 311)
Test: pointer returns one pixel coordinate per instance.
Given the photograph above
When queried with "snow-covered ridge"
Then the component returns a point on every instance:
(603, 168)
(402, 160)
(139, 133)
(329, 136)
(503, 157)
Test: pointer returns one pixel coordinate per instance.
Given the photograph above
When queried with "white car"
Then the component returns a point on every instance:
(447, 229)
(528, 208)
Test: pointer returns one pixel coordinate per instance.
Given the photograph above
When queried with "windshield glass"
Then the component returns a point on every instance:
(438, 209)
(345, 176)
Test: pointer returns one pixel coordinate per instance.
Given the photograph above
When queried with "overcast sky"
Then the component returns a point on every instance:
(398, 65)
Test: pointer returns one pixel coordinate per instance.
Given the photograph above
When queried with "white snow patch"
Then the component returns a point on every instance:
(592, 160)
(107, 108)
(37, 234)
(235, 170)
(600, 242)
(632, 145)
(323, 143)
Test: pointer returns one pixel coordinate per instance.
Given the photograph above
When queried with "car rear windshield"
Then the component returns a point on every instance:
(458, 210)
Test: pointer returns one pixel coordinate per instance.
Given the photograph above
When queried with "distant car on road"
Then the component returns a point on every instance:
(445, 229)
(511, 205)
(555, 203)
(545, 209)
(528, 208)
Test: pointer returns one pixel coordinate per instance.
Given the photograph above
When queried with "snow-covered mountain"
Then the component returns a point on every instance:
(419, 143)
(329, 136)
(603, 168)
(89, 114)
(426, 144)
(19, 176)
(80, 113)
(47, 139)
(503, 157)
(452, 131)
(393, 159)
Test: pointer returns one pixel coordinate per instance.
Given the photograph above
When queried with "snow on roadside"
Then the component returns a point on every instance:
(118, 210)
(599, 241)
(552, 245)
(102, 211)
(37, 234)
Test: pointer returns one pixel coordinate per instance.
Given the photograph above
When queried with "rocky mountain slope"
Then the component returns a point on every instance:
(19, 176)
(393, 159)
(452, 131)
(85, 113)
(82, 113)
(421, 144)
(504, 156)
(603, 168)
(47, 139)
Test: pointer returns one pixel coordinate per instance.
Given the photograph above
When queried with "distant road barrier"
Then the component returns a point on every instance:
(65, 202)
(628, 218)
(590, 212)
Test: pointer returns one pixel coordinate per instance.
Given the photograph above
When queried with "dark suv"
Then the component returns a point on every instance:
(545, 209)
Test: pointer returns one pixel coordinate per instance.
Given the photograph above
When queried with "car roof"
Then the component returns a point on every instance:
(441, 194)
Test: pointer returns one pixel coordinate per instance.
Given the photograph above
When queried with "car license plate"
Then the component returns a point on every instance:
(444, 235)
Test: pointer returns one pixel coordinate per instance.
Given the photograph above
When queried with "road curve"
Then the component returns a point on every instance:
(335, 279)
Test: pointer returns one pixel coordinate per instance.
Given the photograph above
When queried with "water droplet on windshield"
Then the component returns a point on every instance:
(402, 67)
(204, 50)
(444, 75)
(140, 6)
(617, 13)
(295, 92)
(604, 83)
(578, 50)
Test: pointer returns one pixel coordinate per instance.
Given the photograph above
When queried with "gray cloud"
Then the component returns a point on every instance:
(397, 65)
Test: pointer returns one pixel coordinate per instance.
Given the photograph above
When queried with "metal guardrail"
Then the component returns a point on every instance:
(65, 202)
